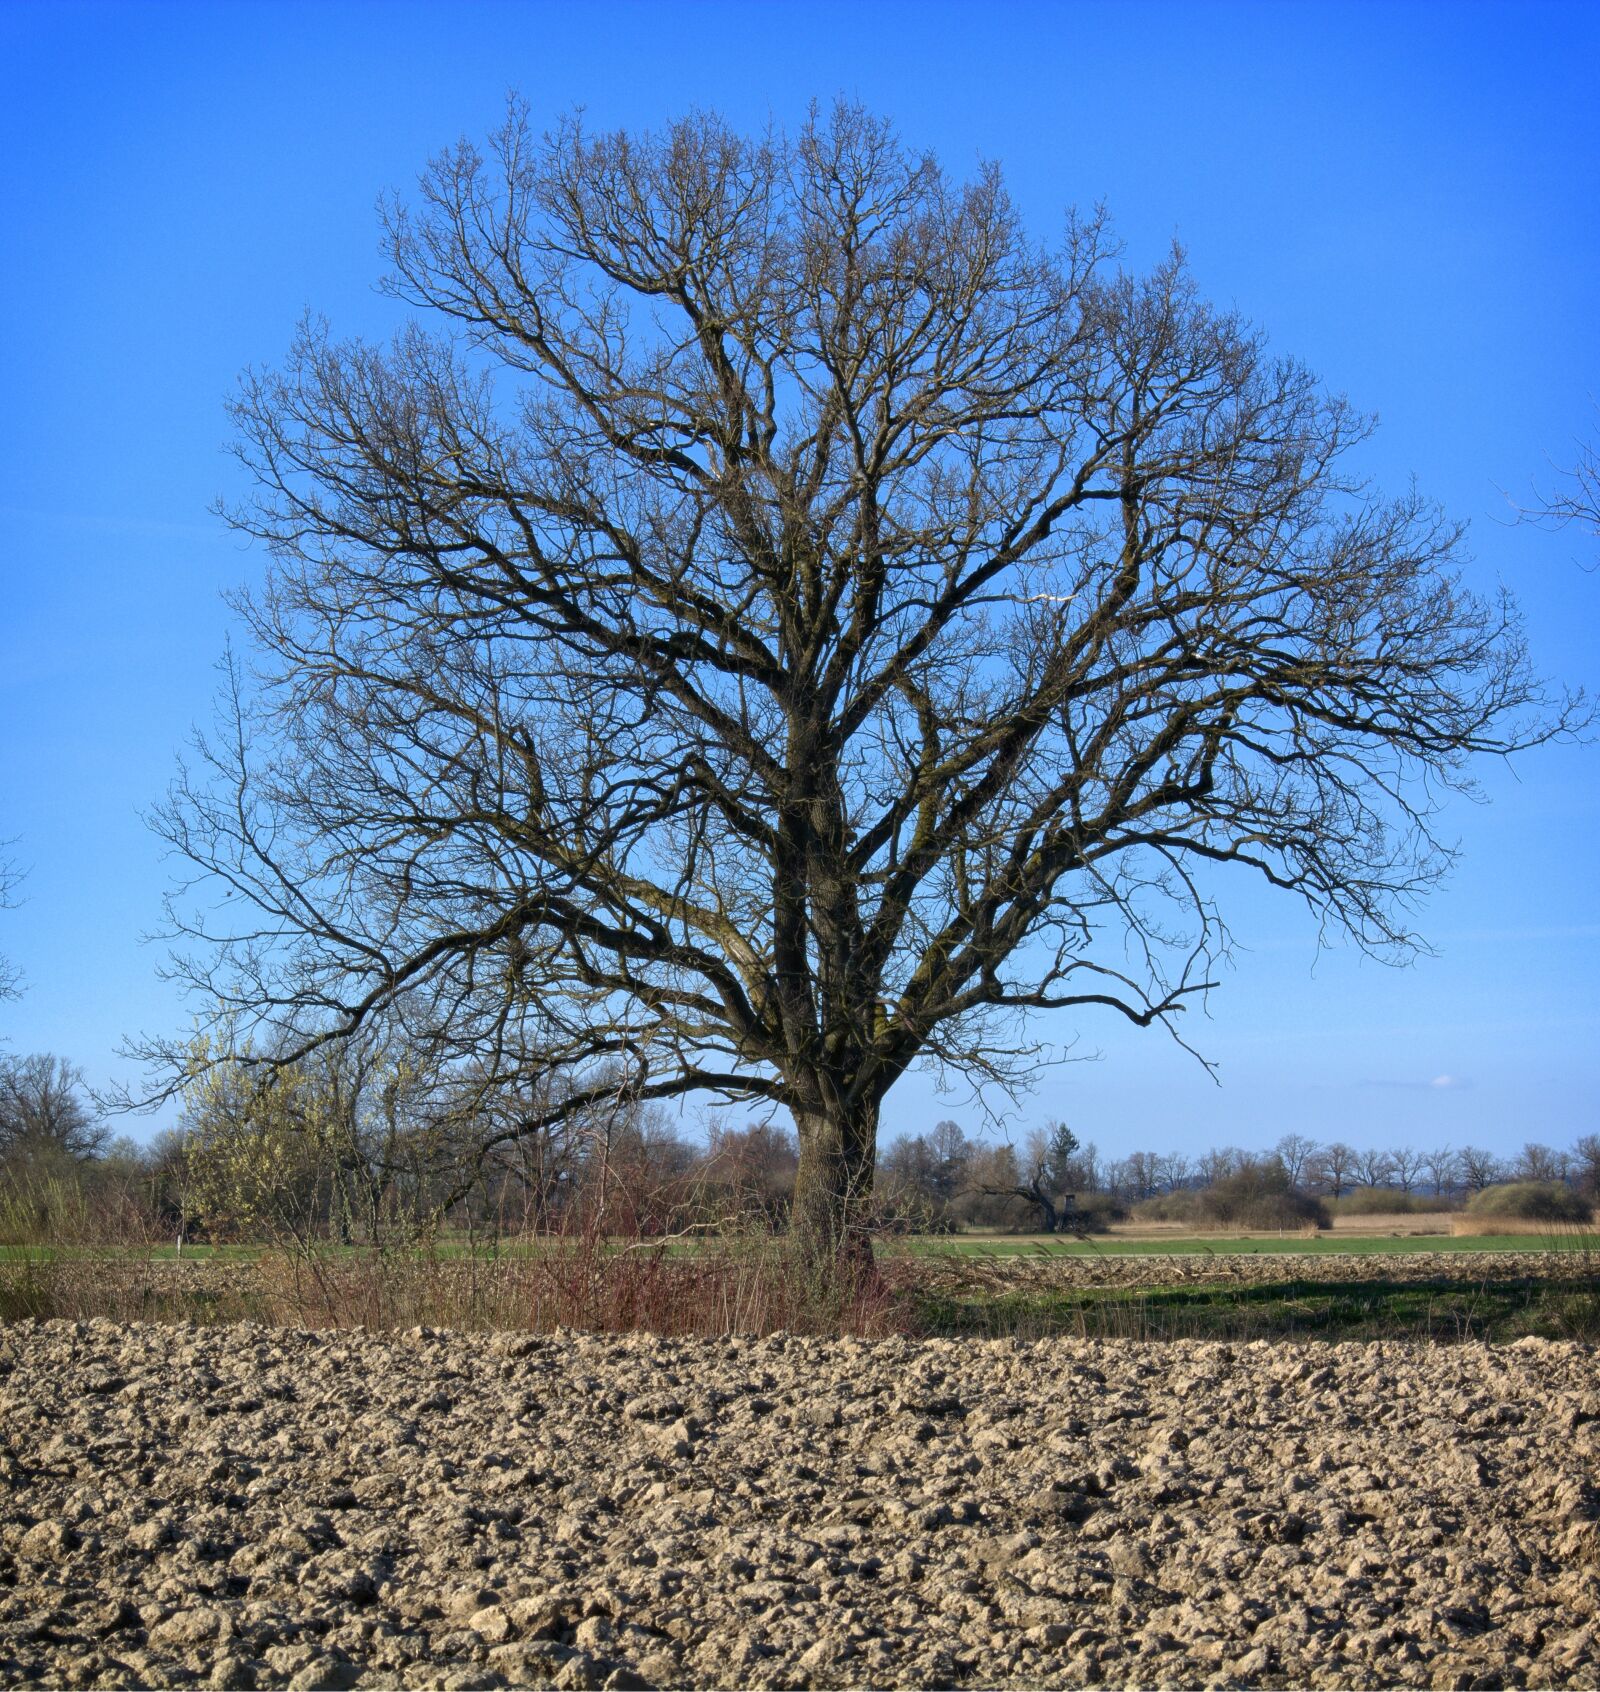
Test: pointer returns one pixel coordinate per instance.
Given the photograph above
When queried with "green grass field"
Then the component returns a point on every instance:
(158, 1254)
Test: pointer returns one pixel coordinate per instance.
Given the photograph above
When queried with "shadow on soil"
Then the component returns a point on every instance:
(1443, 1311)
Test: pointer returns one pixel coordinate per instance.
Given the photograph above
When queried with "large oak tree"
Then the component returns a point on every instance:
(767, 621)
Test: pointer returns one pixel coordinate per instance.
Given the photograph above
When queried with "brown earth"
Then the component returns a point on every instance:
(237, 1506)
(1170, 1269)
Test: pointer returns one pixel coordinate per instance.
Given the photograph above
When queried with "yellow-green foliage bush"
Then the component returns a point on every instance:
(1176, 1206)
(265, 1149)
(1258, 1195)
(1532, 1201)
(1389, 1201)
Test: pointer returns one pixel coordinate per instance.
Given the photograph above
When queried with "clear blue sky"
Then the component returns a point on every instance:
(1406, 197)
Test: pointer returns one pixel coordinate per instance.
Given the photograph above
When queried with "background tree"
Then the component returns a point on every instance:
(1335, 1166)
(755, 1167)
(1586, 1164)
(1443, 1165)
(908, 1198)
(45, 1111)
(1217, 1163)
(1478, 1169)
(640, 1175)
(1296, 1152)
(1084, 1172)
(1576, 500)
(169, 1183)
(10, 975)
(346, 1143)
(1056, 1153)
(774, 623)
(1257, 1193)
(1537, 1162)
(1406, 1167)
(1374, 1166)
(951, 1153)
(1046, 1183)
(992, 1199)
(1176, 1171)
(1141, 1174)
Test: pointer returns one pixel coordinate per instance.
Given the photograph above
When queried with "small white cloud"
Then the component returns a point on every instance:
(1440, 1084)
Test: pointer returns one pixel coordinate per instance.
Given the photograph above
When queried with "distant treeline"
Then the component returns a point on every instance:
(962, 1182)
(358, 1148)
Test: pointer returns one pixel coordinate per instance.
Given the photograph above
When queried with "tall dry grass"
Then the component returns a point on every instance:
(586, 1280)
(73, 1251)
(1465, 1223)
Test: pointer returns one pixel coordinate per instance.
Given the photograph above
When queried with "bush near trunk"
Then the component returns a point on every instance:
(1177, 1206)
(1262, 1196)
(1093, 1213)
(1389, 1201)
(1256, 1195)
(1532, 1201)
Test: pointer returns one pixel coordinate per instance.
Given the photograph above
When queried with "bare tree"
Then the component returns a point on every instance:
(1084, 1172)
(952, 1151)
(1335, 1164)
(994, 1177)
(1539, 1163)
(774, 624)
(1577, 498)
(1443, 1165)
(913, 1194)
(1479, 1169)
(1051, 1150)
(1142, 1174)
(1176, 1169)
(755, 1166)
(1406, 1167)
(1374, 1167)
(1218, 1163)
(45, 1110)
(1295, 1152)
(1586, 1164)
(10, 976)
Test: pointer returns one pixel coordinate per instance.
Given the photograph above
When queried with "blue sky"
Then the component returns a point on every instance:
(1405, 197)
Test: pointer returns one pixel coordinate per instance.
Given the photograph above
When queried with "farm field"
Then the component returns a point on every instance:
(236, 1506)
(1349, 1236)
(1223, 1294)
(1331, 1243)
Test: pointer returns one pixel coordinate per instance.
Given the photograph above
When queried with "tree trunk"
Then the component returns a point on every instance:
(829, 1225)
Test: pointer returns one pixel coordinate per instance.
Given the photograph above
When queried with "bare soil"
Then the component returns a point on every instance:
(238, 1506)
(1373, 1222)
(1067, 1269)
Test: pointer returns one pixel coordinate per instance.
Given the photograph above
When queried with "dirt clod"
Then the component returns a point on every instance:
(354, 1509)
